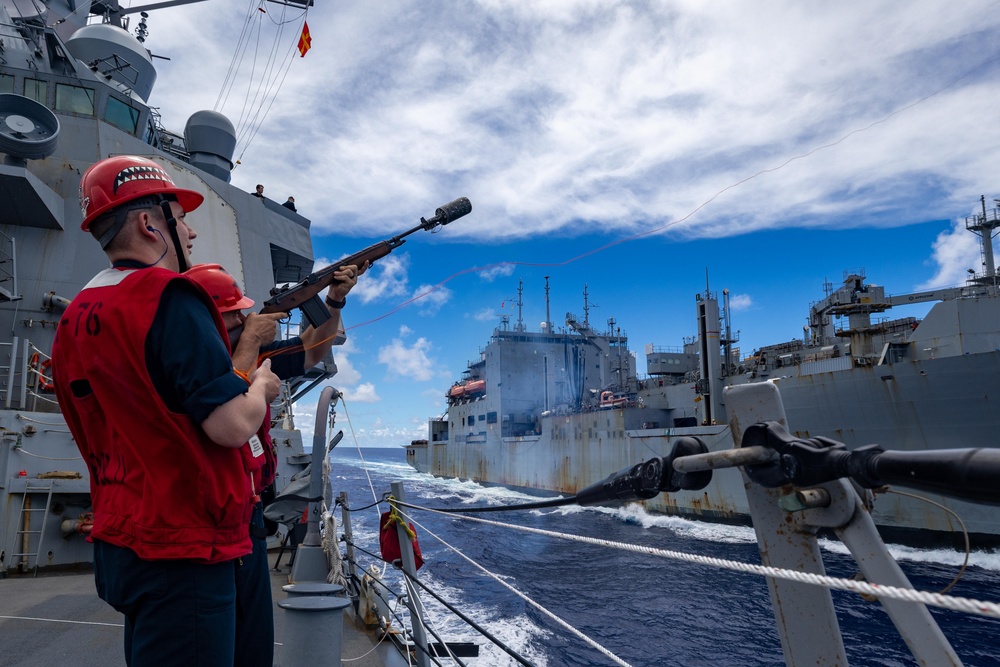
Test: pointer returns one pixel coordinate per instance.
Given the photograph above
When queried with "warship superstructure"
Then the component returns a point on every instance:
(560, 410)
(75, 85)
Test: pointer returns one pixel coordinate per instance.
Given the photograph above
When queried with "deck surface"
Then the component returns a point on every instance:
(57, 619)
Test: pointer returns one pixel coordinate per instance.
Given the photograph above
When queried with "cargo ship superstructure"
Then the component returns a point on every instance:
(559, 411)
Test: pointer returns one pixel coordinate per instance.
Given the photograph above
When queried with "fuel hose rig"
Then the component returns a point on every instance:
(639, 482)
(971, 474)
(772, 457)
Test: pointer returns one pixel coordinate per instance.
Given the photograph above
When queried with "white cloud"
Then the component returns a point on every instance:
(955, 252)
(623, 117)
(346, 375)
(429, 298)
(740, 302)
(412, 361)
(363, 393)
(485, 315)
(497, 271)
(386, 279)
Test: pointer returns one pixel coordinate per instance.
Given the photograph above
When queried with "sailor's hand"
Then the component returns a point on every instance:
(261, 329)
(269, 382)
(346, 278)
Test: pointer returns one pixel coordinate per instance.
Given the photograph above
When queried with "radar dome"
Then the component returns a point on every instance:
(210, 139)
(99, 45)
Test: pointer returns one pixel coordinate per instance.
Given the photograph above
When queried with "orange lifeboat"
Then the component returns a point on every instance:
(609, 400)
(456, 392)
(475, 387)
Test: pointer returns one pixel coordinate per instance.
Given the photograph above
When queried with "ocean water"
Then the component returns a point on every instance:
(644, 609)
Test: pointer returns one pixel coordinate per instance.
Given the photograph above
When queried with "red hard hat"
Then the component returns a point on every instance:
(117, 180)
(221, 286)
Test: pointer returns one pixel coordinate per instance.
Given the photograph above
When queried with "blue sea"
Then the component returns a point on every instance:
(646, 610)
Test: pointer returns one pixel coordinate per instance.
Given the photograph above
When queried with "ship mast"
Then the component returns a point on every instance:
(520, 305)
(548, 318)
(983, 226)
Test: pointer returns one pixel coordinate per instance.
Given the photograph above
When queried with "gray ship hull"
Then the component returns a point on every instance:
(926, 385)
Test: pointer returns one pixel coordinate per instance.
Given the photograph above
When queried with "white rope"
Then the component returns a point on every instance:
(43, 397)
(580, 635)
(24, 451)
(332, 550)
(968, 605)
(364, 465)
(18, 415)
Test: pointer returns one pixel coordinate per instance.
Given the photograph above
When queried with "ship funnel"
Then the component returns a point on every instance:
(210, 139)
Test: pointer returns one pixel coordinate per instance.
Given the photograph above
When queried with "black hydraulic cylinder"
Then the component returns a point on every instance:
(970, 474)
(640, 482)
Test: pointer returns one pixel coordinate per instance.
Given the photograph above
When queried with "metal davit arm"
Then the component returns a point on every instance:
(310, 560)
(804, 614)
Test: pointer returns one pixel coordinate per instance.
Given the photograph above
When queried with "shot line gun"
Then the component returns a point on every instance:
(305, 293)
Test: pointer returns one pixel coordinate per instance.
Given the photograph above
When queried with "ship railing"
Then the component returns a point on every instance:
(8, 268)
(26, 377)
(318, 561)
(990, 220)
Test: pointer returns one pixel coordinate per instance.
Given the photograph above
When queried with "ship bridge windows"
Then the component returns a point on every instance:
(74, 99)
(6, 83)
(36, 89)
(121, 115)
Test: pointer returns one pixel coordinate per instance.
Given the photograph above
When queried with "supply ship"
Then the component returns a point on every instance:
(559, 410)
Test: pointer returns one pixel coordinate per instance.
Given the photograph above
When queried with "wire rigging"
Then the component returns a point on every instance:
(268, 68)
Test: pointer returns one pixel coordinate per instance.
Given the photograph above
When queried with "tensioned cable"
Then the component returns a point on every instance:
(968, 605)
(412, 592)
(481, 630)
(234, 64)
(569, 628)
(542, 504)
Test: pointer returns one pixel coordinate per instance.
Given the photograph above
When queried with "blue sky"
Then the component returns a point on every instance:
(627, 146)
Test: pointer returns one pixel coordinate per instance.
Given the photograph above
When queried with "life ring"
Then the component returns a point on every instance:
(45, 380)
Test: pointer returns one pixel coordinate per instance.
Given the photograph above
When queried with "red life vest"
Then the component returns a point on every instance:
(159, 485)
(264, 466)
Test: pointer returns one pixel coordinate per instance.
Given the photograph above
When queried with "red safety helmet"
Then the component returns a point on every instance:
(221, 286)
(118, 180)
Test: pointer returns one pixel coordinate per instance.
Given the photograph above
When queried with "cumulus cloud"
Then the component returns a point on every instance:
(363, 393)
(485, 315)
(579, 116)
(408, 361)
(740, 302)
(429, 298)
(499, 271)
(955, 252)
(386, 279)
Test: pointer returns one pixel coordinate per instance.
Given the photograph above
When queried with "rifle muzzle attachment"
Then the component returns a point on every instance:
(448, 213)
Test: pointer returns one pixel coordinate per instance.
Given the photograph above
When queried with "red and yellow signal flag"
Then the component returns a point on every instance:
(305, 41)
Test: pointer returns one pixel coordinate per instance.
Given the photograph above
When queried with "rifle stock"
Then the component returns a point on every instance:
(305, 293)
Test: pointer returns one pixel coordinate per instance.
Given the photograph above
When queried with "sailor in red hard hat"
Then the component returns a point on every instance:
(142, 370)
(114, 187)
